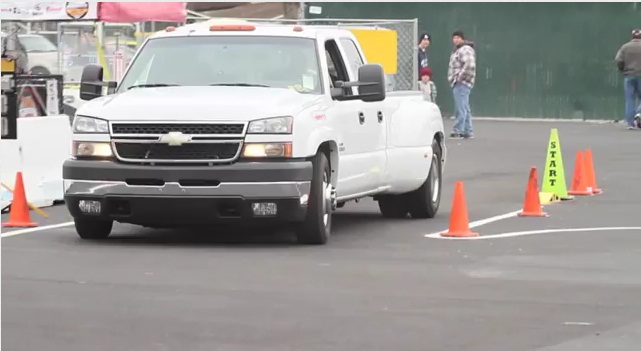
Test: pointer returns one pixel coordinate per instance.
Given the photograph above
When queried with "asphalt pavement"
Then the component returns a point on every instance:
(379, 284)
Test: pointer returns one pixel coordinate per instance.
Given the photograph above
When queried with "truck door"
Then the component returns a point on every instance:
(356, 157)
(374, 127)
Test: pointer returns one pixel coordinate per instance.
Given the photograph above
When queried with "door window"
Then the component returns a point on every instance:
(355, 61)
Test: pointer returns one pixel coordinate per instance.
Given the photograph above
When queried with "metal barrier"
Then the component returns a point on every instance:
(9, 100)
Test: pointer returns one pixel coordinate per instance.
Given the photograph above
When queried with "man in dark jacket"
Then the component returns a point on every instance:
(628, 61)
(423, 43)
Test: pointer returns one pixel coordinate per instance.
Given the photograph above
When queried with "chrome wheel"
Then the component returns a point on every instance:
(435, 179)
(327, 199)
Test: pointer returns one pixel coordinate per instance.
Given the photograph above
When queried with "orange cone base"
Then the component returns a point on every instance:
(20, 224)
(467, 234)
(597, 191)
(533, 214)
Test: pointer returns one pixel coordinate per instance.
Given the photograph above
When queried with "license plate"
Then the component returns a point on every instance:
(264, 209)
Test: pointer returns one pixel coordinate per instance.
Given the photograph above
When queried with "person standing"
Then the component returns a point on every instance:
(423, 60)
(628, 61)
(427, 86)
(461, 75)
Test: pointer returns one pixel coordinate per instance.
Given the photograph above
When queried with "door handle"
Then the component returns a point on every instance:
(380, 117)
(361, 118)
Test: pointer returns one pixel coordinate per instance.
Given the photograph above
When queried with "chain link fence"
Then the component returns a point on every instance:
(406, 76)
(67, 47)
(74, 45)
(78, 47)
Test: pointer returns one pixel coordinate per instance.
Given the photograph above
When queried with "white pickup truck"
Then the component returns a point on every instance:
(248, 123)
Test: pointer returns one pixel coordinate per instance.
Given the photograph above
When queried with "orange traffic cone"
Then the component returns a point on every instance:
(19, 215)
(532, 203)
(589, 170)
(580, 182)
(459, 221)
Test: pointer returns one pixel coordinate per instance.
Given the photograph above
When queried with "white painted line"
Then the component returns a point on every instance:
(578, 323)
(535, 232)
(478, 223)
(36, 229)
(544, 120)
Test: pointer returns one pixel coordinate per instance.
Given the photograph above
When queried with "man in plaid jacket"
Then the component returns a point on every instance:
(461, 75)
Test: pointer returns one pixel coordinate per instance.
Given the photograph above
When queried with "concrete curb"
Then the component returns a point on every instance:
(519, 119)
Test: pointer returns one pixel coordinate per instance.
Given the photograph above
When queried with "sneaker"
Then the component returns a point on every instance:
(468, 136)
(637, 120)
(456, 136)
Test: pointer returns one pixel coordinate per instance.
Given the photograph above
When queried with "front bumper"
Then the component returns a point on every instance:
(167, 196)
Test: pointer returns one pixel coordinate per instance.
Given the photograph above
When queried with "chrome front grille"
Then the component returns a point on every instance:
(140, 142)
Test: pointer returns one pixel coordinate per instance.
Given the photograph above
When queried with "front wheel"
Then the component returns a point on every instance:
(316, 228)
(91, 229)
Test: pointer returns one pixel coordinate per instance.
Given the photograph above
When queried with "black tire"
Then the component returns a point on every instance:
(393, 206)
(316, 228)
(93, 229)
(425, 201)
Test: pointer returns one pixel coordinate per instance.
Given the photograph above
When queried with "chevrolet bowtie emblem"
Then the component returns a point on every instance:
(174, 138)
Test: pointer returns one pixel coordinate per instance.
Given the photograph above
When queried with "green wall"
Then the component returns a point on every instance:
(537, 60)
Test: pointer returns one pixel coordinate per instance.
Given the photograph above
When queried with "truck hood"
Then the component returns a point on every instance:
(199, 103)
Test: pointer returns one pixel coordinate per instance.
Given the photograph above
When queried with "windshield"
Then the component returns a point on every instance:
(276, 62)
(36, 43)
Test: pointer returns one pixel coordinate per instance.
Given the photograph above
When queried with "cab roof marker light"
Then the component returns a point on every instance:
(298, 28)
(170, 29)
(229, 27)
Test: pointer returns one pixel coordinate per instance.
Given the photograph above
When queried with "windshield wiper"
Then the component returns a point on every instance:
(152, 85)
(239, 85)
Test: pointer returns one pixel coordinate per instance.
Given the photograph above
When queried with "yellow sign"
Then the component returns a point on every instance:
(8, 65)
(379, 46)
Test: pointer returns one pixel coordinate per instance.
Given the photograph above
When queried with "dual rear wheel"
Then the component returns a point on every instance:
(422, 202)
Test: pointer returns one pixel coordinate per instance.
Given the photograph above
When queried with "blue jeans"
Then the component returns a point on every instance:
(463, 120)
(632, 88)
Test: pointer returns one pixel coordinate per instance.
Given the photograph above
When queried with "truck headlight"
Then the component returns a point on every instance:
(254, 150)
(91, 149)
(89, 125)
(277, 125)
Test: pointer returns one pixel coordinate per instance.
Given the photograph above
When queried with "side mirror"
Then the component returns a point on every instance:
(371, 85)
(371, 79)
(91, 82)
